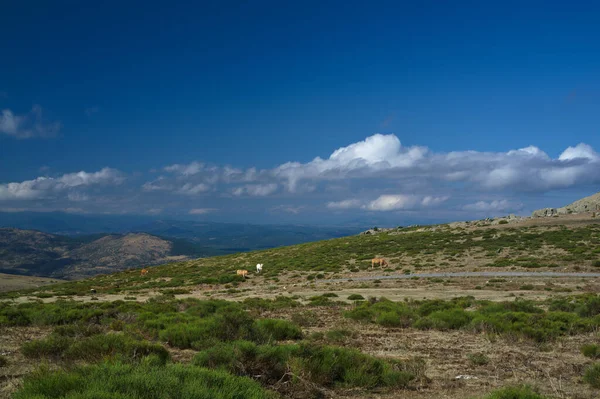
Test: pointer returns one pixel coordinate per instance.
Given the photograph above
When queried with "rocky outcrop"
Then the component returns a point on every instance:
(587, 204)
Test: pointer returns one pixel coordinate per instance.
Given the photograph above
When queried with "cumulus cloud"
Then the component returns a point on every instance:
(201, 211)
(390, 202)
(493, 206)
(29, 125)
(43, 187)
(377, 174)
(193, 189)
(256, 190)
(383, 157)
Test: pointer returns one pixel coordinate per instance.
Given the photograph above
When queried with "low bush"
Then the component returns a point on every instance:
(3, 361)
(278, 330)
(518, 392)
(591, 351)
(478, 359)
(592, 375)
(52, 346)
(327, 366)
(339, 335)
(93, 348)
(126, 381)
(307, 318)
(355, 297)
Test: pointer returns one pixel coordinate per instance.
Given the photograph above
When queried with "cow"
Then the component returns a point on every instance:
(259, 267)
(242, 273)
(378, 261)
(144, 272)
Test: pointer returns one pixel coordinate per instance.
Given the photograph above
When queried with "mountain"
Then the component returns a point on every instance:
(134, 242)
(35, 253)
(587, 204)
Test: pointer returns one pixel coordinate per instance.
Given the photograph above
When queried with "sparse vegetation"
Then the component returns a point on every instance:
(518, 392)
(591, 350)
(592, 375)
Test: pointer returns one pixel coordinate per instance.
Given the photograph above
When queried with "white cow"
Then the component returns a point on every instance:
(259, 267)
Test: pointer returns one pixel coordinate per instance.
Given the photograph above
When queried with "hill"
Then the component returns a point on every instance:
(319, 321)
(28, 252)
(13, 282)
(31, 252)
(558, 244)
(587, 204)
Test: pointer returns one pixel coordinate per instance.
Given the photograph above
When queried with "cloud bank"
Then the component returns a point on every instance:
(375, 175)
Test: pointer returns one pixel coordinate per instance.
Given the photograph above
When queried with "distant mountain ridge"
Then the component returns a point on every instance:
(36, 253)
(135, 243)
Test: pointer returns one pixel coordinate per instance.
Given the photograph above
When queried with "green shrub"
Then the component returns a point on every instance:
(111, 345)
(389, 319)
(321, 365)
(338, 335)
(52, 346)
(355, 297)
(591, 351)
(445, 320)
(596, 263)
(305, 319)
(77, 330)
(518, 392)
(332, 366)
(330, 295)
(3, 361)
(478, 359)
(125, 381)
(592, 375)
(278, 329)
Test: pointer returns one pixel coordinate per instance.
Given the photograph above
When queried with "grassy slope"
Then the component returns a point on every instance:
(423, 249)
(128, 331)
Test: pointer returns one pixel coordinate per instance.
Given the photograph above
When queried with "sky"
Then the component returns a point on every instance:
(312, 112)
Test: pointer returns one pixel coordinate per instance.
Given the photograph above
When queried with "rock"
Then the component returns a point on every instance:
(587, 204)
(465, 377)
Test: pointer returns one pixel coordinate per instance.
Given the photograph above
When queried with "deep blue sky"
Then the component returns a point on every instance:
(137, 87)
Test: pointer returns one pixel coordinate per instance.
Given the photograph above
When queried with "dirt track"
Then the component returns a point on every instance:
(463, 274)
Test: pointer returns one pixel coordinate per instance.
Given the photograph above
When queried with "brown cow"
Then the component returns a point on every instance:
(242, 273)
(144, 272)
(378, 261)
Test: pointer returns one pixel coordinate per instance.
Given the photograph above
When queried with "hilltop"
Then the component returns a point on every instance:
(587, 204)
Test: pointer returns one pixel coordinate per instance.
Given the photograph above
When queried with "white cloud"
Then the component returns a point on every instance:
(193, 189)
(395, 202)
(580, 151)
(256, 190)
(185, 170)
(344, 204)
(201, 211)
(372, 169)
(43, 187)
(28, 125)
(493, 206)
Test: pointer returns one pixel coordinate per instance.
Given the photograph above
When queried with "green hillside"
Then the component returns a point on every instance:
(414, 250)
